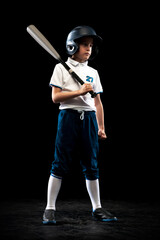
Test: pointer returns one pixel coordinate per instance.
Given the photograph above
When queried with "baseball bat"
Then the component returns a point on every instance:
(41, 39)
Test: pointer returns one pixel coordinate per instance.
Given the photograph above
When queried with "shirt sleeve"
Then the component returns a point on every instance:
(56, 78)
(98, 86)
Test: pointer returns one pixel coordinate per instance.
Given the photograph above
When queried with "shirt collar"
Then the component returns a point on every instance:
(75, 63)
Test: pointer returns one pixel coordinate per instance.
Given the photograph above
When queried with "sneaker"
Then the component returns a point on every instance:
(102, 215)
(49, 216)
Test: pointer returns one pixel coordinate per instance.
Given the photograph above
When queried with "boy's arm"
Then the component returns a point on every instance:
(100, 117)
(59, 96)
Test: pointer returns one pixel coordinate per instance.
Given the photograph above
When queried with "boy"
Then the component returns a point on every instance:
(81, 117)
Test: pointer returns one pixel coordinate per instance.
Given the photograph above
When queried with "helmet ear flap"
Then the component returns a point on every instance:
(71, 47)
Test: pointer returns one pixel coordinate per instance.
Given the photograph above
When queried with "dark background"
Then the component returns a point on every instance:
(127, 160)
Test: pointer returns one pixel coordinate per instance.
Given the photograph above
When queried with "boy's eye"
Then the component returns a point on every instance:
(86, 44)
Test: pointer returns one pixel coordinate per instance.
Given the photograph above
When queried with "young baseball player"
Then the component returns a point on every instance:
(81, 118)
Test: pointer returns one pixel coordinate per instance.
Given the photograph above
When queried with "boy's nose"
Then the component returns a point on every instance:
(88, 47)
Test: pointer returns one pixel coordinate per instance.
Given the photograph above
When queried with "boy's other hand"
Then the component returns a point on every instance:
(101, 134)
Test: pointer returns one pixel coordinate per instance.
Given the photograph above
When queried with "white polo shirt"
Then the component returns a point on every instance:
(62, 79)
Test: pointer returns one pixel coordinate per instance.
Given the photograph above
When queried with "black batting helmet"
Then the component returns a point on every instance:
(79, 32)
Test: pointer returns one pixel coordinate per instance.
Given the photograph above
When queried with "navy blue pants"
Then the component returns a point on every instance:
(73, 132)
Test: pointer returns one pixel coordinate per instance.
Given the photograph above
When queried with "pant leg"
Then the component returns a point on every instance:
(66, 140)
(90, 147)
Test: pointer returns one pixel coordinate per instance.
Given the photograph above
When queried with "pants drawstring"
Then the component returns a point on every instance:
(82, 115)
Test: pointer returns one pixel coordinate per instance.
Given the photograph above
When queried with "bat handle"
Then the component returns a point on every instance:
(93, 94)
(75, 76)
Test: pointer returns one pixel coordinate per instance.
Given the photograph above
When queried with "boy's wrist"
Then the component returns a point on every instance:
(101, 128)
(78, 93)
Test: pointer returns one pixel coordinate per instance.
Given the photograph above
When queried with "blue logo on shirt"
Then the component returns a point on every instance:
(89, 79)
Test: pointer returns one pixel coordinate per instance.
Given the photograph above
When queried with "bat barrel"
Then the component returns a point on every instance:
(41, 39)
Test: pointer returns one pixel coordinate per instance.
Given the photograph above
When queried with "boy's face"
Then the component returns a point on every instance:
(85, 49)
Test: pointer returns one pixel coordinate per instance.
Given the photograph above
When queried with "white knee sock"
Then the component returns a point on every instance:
(94, 193)
(54, 185)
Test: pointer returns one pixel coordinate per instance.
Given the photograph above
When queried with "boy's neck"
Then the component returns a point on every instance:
(78, 59)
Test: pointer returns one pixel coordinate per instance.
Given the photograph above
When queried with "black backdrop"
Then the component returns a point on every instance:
(127, 158)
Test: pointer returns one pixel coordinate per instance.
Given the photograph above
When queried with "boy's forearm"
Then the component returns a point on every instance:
(63, 96)
(59, 96)
(100, 116)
